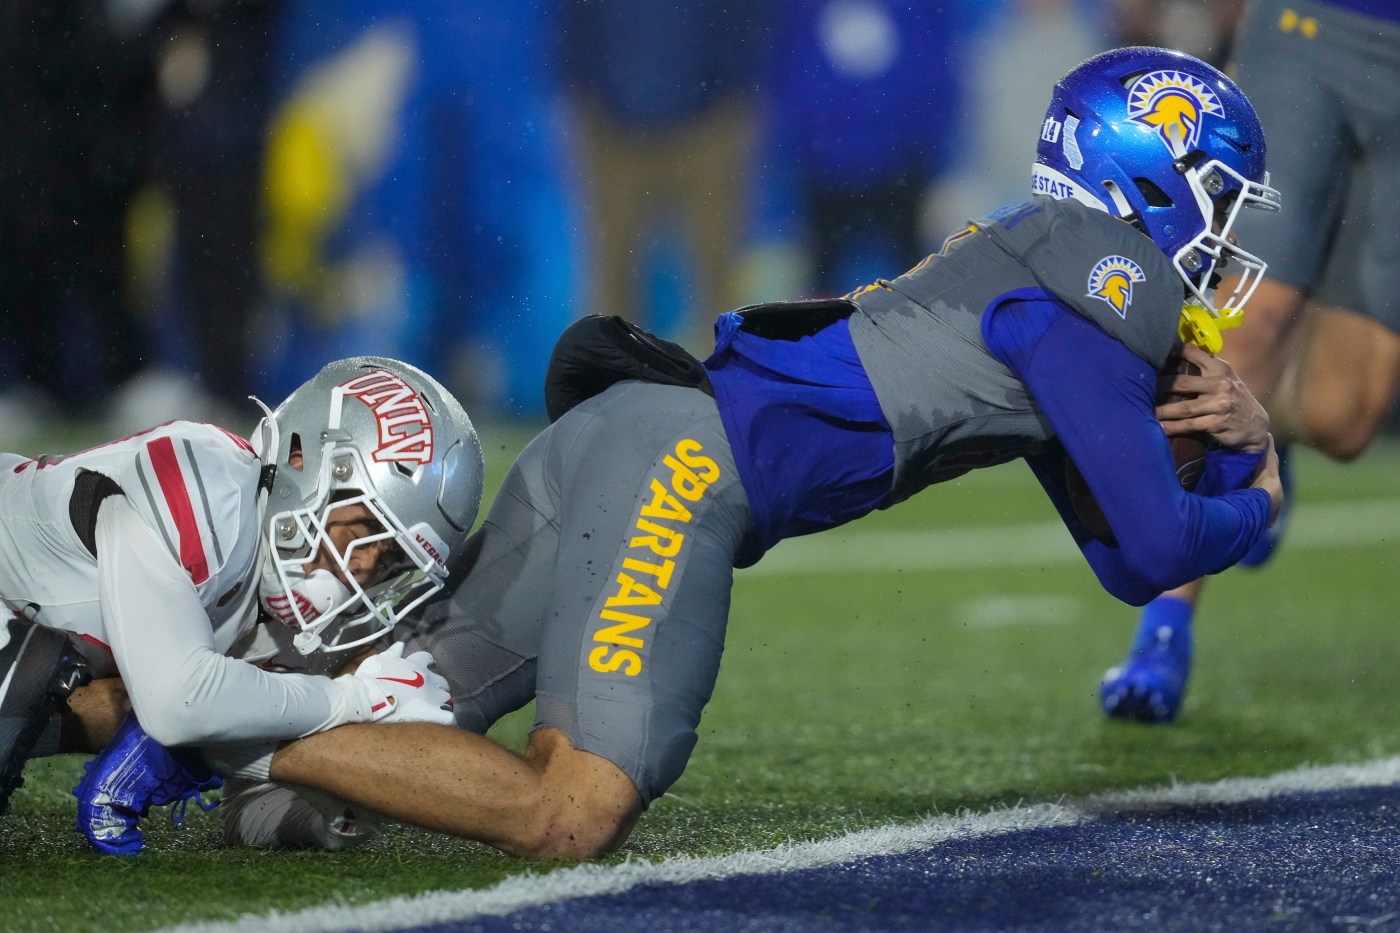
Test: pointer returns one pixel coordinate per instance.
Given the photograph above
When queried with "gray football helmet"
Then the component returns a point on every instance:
(381, 434)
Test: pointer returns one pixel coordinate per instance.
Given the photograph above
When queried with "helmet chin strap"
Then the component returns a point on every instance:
(270, 435)
(306, 642)
(1121, 207)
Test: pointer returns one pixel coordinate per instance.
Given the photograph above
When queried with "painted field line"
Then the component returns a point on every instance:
(980, 547)
(530, 889)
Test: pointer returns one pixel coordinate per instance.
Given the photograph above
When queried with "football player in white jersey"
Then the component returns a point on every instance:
(154, 558)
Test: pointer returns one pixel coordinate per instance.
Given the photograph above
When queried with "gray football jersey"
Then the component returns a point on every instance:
(951, 404)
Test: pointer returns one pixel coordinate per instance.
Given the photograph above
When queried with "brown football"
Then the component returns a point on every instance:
(1188, 450)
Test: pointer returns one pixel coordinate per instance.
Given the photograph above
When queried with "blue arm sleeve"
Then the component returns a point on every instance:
(1226, 470)
(1098, 398)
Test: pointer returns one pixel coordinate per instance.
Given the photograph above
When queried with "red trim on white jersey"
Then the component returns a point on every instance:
(242, 442)
(177, 499)
(96, 641)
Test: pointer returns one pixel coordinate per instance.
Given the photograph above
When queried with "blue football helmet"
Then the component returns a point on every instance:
(1169, 144)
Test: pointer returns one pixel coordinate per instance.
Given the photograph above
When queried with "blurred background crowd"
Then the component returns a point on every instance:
(205, 199)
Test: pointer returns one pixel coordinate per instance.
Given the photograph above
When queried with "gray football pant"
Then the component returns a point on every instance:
(599, 583)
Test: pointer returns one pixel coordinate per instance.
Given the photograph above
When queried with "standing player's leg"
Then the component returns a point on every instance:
(1150, 683)
(1347, 386)
(1280, 73)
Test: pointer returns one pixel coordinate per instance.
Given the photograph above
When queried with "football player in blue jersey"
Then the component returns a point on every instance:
(1323, 347)
(599, 585)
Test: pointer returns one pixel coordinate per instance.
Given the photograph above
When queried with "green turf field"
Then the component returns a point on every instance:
(948, 671)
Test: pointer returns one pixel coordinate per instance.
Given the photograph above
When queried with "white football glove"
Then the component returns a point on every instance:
(395, 688)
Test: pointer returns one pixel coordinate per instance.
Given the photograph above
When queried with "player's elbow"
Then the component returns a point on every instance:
(1114, 575)
(176, 724)
(1134, 594)
(179, 710)
(1156, 565)
(1128, 588)
(570, 834)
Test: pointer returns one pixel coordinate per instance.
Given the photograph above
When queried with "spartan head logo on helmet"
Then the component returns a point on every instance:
(1173, 103)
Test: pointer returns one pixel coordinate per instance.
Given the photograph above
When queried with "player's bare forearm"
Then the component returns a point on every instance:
(552, 802)
(1214, 400)
(433, 776)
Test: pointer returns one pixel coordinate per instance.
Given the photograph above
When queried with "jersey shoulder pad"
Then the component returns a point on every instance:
(199, 484)
(1104, 269)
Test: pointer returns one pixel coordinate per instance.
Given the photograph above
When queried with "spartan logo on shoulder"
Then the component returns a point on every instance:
(405, 430)
(1111, 281)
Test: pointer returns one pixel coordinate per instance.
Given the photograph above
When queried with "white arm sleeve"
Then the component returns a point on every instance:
(183, 691)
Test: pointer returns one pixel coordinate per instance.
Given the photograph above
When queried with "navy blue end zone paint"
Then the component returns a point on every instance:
(1320, 861)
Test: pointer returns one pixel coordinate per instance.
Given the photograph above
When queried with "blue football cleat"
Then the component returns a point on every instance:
(1151, 682)
(128, 777)
(1264, 548)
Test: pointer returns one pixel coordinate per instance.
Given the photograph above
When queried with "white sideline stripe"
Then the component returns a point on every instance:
(530, 889)
(1313, 527)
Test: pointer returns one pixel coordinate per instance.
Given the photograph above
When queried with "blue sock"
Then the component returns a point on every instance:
(1151, 682)
(1165, 621)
